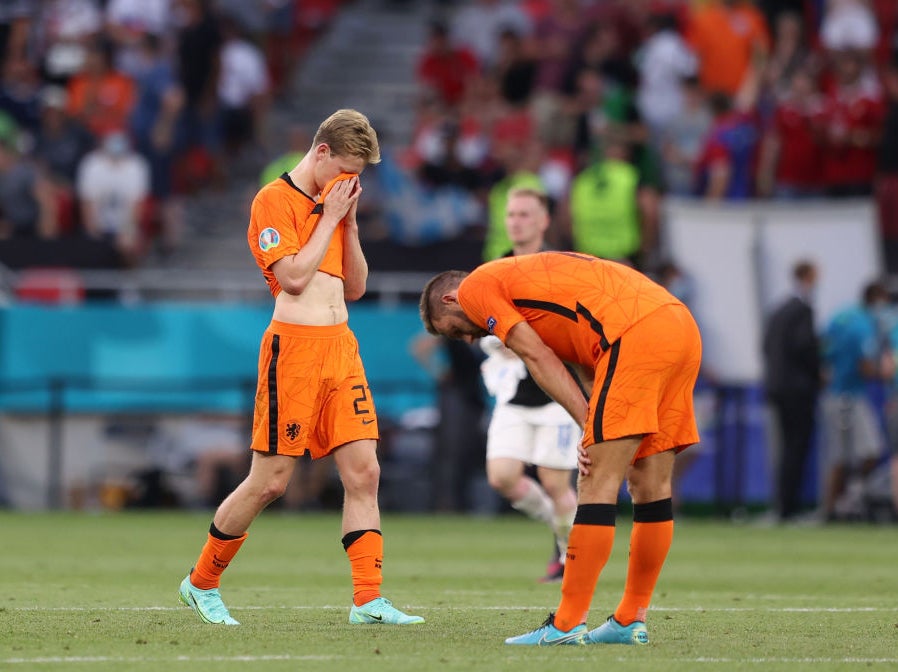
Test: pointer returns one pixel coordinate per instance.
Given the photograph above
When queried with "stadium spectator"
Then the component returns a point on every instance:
(792, 383)
(243, 91)
(727, 162)
(479, 24)
(601, 107)
(773, 8)
(849, 25)
(852, 127)
(791, 53)
(730, 38)
(68, 27)
(20, 88)
(16, 20)
(682, 141)
(606, 201)
(527, 302)
(665, 61)
(449, 147)
(623, 25)
(99, 96)
(313, 263)
(528, 429)
(61, 143)
(154, 127)
(853, 357)
(790, 160)
(555, 38)
(198, 64)
(128, 22)
(27, 204)
(445, 68)
(887, 171)
(515, 68)
(112, 186)
(600, 48)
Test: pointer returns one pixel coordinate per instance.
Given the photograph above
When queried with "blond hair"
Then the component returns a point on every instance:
(349, 133)
(540, 196)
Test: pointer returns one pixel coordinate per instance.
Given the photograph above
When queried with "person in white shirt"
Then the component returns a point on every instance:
(527, 427)
(664, 62)
(112, 185)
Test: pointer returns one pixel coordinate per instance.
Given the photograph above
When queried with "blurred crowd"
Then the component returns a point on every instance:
(112, 110)
(609, 105)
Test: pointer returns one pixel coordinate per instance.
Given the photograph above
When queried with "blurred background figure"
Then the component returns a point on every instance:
(612, 208)
(101, 97)
(27, 203)
(531, 448)
(792, 382)
(461, 429)
(854, 357)
(204, 458)
(113, 184)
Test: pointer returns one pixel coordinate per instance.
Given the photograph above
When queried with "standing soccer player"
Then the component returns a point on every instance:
(527, 427)
(312, 393)
(640, 349)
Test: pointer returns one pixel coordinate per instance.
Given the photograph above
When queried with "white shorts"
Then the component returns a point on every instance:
(545, 436)
(850, 429)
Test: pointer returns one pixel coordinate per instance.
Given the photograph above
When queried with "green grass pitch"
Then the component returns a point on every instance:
(97, 593)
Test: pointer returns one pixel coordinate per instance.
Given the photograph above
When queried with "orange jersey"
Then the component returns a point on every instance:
(578, 304)
(281, 221)
(725, 41)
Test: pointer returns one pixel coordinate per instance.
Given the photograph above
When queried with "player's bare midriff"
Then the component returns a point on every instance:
(320, 304)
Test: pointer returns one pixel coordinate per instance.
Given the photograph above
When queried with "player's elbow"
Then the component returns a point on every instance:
(294, 286)
(354, 291)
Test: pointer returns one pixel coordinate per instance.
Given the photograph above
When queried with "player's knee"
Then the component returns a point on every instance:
(362, 477)
(274, 489)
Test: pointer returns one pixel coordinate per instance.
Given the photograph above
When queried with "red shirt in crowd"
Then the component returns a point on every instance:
(796, 124)
(850, 112)
(448, 72)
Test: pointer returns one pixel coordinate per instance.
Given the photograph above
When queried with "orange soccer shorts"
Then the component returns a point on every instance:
(312, 392)
(644, 384)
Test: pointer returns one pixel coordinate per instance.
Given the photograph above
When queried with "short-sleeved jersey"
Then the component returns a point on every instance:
(281, 221)
(850, 337)
(578, 304)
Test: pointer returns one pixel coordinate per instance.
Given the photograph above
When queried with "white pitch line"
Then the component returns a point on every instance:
(174, 659)
(341, 607)
(271, 658)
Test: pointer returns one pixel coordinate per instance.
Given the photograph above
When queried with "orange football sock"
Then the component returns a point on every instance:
(650, 541)
(215, 557)
(588, 549)
(365, 549)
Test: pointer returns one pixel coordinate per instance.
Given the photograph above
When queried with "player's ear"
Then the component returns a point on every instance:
(450, 297)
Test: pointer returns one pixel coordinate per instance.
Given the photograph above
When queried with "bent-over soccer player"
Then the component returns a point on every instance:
(638, 350)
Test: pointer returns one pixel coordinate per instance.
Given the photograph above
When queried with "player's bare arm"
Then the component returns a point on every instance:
(355, 267)
(547, 370)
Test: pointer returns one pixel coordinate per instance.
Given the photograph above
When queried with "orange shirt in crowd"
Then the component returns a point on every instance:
(726, 40)
(104, 103)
